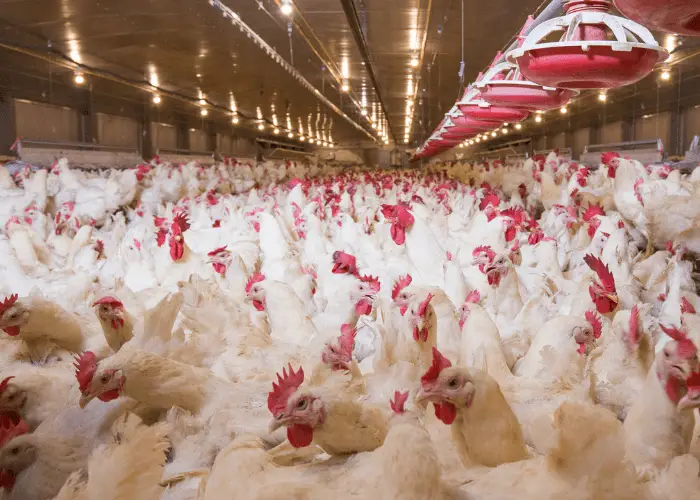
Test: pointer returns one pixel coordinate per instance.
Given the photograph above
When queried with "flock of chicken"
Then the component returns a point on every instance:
(284, 331)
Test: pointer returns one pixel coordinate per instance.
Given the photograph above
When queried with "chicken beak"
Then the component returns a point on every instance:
(425, 395)
(276, 423)
(613, 297)
(85, 399)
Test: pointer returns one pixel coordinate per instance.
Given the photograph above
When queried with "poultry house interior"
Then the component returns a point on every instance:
(350, 249)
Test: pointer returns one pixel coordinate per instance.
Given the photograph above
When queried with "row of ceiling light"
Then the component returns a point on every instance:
(411, 86)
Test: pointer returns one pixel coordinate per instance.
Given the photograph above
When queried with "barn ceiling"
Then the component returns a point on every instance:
(352, 71)
(348, 68)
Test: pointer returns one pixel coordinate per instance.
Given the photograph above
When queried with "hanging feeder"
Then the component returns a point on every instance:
(503, 85)
(584, 57)
(674, 16)
(476, 108)
(469, 125)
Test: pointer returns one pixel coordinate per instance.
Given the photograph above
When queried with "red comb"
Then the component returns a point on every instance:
(5, 383)
(686, 306)
(7, 303)
(633, 325)
(85, 368)
(310, 271)
(440, 362)
(11, 425)
(606, 158)
(423, 307)
(595, 322)
(399, 285)
(592, 211)
(347, 338)
(344, 263)
(686, 347)
(109, 300)
(255, 278)
(474, 297)
(286, 385)
(604, 275)
(217, 251)
(399, 400)
(373, 282)
(180, 220)
(489, 199)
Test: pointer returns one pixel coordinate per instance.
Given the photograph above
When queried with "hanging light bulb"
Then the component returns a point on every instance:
(493, 134)
(79, 79)
(286, 7)
(156, 99)
(234, 120)
(290, 135)
(345, 87)
(204, 112)
(311, 140)
(261, 126)
(414, 62)
(666, 75)
(564, 110)
(538, 119)
(518, 126)
(603, 97)
(276, 131)
(302, 138)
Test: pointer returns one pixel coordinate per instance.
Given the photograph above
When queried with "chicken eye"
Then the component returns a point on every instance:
(333, 350)
(15, 451)
(11, 398)
(104, 379)
(453, 383)
(302, 404)
(666, 354)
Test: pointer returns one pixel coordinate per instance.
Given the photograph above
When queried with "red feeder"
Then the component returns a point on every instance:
(503, 85)
(474, 107)
(674, 16)
(584, 58)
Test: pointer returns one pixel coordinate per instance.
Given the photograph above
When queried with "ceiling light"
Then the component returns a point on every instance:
(493, 134)
(156, 99)
(374, 125)
(311, 140)
(471, 143)
(602, 97)
(405, 141)
(538, 119)
(202, 102)
(199, 75)
(414, 62)
(204, 112)
(261, 126)
(79, 78)
(345, 87)
(331, 145)
(302, 138)
(234, 120)
(461, 145)
(564, 110)
(506, 124)
(518, 126)
(504, 131)
(478, 139)
(286, 8)
(666, 75)
(290, 135)
(276, 131)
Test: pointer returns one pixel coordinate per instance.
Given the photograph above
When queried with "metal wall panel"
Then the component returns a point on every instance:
(164, 136)
(653, 127)
(581, 139)
(558, 141)
(117, 131)
(198, 140)
(46, 122)
(691, 126)
(611, 132)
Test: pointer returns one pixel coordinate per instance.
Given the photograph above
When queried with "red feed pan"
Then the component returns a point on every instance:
(598, 68)
(530, 97)
(673, 16)
(497, 114)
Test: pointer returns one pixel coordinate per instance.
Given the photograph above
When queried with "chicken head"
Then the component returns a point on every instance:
(110, 310)
(17, 451)
(447, 387)
(103, 383)
(13, 314)
(12, 397)
(338, 354)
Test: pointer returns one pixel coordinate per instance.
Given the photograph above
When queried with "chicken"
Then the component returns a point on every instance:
(484, 428)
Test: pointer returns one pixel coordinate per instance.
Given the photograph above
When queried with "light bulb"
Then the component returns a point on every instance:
(478, 139)
(504, 131)
(538, 119)
(602, 97)
(261, 127)
(518, 126)
(234, 120)
(286, 9)
(345, 87)
(79, 78)
(204, 112)
(311, 140)
(290, 135)
(331, 145)
(414, 62)
(364, 112)
(302, 138)
(276, 131)
(493, 134)
(156, 99)
(202, 102)
(666, 75)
